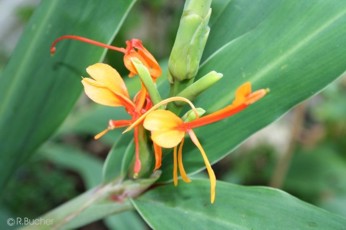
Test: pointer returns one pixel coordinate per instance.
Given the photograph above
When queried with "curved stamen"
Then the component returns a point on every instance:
(158, 105)
(86, 40)
(102, 133)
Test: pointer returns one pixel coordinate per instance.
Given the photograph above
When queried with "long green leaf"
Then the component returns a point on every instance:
(236, 207)
(295, 50)
(37, 91)
(86, 165)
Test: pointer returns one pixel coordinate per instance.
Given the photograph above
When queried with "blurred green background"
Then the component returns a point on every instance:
(303, 153)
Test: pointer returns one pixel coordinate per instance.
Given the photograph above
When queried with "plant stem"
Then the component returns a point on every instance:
(284, 161)
(103, 200)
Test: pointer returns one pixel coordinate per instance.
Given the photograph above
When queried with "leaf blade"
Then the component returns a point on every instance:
(277, 54)
(32, 104)
(236, 207)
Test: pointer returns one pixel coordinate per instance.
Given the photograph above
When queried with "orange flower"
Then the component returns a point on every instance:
(168, 130)
(134, 48)
(106, 87)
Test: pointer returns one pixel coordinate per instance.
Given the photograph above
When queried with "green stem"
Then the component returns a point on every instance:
(192, 90)
(94, 204)
(175, 89)
(148, 82)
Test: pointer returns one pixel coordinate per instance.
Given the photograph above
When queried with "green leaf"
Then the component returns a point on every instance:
(38, 91)
(93, 119)
(236, 18)
(119, 158)
(236, 207)
(217, 6)
(86, 165)
(126, 220)
(296, 50)
(323, 168)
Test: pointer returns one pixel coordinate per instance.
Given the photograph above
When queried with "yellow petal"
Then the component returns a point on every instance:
(164, 127)
(175, 167)
(99, 93)
(160, 120)
(106, 75)
(210, 171)
(183, 174)
(167, 138)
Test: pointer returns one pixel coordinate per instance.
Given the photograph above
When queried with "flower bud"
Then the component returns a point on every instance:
(191, 38)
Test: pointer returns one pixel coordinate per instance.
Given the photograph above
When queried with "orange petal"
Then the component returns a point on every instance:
(106, 75)
(158, 156)
(242, 92)
(255, 96)
(136, 49)
(100, 93)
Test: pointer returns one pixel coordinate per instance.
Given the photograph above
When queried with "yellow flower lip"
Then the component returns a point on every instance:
(158, 105)
(163, 125)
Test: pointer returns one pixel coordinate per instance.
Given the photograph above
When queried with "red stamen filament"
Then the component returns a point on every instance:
(214, 117)
(86, 40)
(137, 166)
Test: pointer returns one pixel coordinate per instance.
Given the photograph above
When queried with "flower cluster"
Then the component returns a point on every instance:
(167, 129)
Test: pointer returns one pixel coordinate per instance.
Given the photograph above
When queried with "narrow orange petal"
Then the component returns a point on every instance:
(241, 93)
(136, 49)
(211, 173)
(140, 98)
(244, 97)
(255, 96)
(183, 174)
(158, 156)
(214, 117)
(175, 167)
